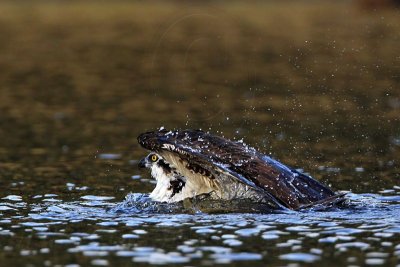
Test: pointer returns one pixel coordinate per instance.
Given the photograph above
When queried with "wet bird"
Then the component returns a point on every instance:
(190, 163)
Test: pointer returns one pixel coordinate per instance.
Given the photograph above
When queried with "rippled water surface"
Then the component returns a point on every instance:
(313, 84)
(100, 231)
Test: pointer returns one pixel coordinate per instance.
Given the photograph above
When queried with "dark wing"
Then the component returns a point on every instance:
(289, 187)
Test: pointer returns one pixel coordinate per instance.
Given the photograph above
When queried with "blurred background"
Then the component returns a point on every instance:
(316, 84)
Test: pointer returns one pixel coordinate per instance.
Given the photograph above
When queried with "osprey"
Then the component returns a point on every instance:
(190, 163)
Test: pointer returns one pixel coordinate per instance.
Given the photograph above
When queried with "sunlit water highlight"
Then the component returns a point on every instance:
(143, 231)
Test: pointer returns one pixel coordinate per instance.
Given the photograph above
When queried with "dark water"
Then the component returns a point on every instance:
(315, 85)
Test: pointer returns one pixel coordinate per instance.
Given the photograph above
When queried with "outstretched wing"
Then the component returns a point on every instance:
(241, 162)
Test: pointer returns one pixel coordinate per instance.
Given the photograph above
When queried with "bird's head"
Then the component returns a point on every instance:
(150, 160)
(154, 162)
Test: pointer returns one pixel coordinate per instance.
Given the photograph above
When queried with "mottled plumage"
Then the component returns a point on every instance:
(229, 170)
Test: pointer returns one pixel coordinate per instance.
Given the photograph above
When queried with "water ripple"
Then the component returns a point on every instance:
(134, 229)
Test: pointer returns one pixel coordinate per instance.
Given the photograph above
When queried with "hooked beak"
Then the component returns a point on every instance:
(142, 163)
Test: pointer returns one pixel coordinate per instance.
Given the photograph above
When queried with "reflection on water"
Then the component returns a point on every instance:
(97, 229)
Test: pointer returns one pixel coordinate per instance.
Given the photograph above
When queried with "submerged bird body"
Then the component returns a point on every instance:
(189, 163)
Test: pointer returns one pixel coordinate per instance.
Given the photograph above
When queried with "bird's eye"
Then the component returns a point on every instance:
(154, 158)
